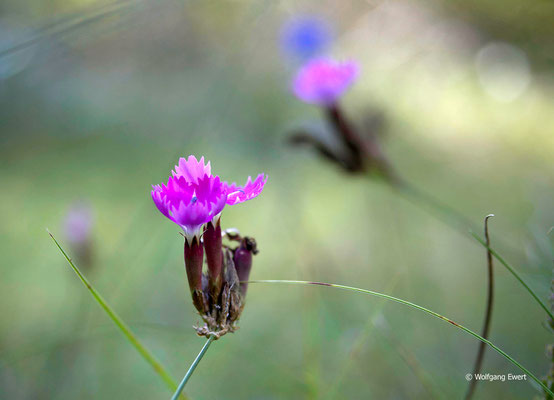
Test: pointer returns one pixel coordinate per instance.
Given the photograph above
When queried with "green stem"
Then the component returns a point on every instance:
(513, 272)
(143, 351)
(193, 367)
(418, 307)
(443, 212)
(459, 222)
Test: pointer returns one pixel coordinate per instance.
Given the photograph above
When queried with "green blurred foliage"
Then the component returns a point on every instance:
(105, 109)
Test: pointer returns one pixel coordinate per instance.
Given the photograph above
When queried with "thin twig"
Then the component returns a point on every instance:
(193, 367)
(461, 223)
(514, 273)
(465, 226)
(488, 313)
(129, 335)
(418, 307)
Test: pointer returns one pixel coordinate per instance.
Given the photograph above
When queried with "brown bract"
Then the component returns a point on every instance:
(222, 316)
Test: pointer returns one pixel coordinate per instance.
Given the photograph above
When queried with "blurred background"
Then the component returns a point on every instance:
(98, 100)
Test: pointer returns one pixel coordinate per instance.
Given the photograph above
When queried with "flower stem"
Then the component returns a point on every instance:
(129, 335)
(459, 222)
(418, 307)
(443, 212)
(513, 272)
(193, 367)
(488, 313)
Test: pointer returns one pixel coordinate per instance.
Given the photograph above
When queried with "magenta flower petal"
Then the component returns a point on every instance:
(324, 81)
(212, 192)
(190, 205)
(192, 169)
(193, 196)
(158, 195)
(239, 194)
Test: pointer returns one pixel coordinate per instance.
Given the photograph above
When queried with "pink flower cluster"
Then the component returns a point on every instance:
(193, 196)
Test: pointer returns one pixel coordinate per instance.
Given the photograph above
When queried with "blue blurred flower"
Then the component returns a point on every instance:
(304, 37)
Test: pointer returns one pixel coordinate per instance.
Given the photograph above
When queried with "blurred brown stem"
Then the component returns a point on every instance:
(350, 139)
(364, 154)
(488, 314)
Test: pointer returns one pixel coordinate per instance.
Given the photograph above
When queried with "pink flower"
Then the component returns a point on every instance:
(78, 222)
(188, 204)
(193, 196)
(324, 81)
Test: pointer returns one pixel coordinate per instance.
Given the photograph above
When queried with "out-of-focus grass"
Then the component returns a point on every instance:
(110, 118)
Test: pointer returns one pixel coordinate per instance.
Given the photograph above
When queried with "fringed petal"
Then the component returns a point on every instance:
(192, 170)
(239, 194)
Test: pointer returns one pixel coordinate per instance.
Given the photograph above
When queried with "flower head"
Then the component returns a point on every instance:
(78, 222)
(193, 196)
(323, 81)
(189, 204)
(78, 227)
(306, 36)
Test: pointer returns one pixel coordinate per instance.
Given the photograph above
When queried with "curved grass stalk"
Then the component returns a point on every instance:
(418, 307)
(460, 223)
(122, 326)
(513, 272)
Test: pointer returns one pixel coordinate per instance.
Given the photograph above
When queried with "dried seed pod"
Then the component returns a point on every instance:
(223, 314)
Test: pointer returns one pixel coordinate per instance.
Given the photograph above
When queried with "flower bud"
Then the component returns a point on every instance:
(243, 261)
(194, 255)
(214, 257)
(78, 225)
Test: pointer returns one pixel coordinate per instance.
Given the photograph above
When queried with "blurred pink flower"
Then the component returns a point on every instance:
(323, 81)
(78, 222)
